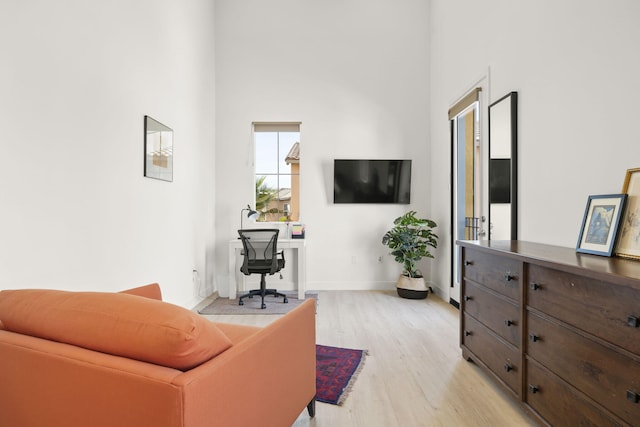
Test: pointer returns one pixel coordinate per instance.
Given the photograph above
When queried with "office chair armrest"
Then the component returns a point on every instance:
(280, 254)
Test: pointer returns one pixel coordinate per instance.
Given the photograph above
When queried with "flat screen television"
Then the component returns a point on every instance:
(371, 181)
(499, 180)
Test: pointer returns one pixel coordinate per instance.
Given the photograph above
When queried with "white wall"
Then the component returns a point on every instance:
(365, 78)
(355, 74)
(76, 79)
(574, 66)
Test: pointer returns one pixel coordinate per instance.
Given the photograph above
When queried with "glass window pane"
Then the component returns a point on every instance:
(267, 182)
(287, 140)
(266, 152)
(285, 181)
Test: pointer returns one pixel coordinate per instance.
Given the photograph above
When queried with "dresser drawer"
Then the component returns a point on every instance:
(609, 311)
(601, 373)
(495, 311)
(548, 396)
(497, 355)
(496, 272)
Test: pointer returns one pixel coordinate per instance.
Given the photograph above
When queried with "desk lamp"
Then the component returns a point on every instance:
(251, 214)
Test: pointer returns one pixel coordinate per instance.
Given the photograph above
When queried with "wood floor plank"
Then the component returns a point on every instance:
(414, 374)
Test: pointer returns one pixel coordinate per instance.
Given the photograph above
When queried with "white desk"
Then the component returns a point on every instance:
(298, 245)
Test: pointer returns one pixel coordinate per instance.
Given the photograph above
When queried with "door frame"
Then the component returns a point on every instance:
(482, 88)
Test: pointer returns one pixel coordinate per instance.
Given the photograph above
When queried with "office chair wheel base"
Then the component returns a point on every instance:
(285, 300)
(264, 306)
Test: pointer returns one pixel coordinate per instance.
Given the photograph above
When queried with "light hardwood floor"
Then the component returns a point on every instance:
(414, 374)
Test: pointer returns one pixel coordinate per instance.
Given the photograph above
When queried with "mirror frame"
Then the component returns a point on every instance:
(497, 124)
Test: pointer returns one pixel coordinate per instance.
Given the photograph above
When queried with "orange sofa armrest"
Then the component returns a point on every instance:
(273, 369)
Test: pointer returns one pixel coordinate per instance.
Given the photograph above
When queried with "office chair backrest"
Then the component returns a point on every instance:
(260, 249)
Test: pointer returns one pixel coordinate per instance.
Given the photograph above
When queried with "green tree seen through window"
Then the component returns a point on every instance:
(264, 196)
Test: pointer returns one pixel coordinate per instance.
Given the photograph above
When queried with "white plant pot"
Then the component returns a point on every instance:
(412, 287)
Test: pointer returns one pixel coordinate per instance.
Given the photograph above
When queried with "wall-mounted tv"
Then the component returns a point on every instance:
(499, 180)
(371, 181)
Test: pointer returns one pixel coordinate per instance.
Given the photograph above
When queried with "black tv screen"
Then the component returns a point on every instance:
(371, 181)
(499, 180)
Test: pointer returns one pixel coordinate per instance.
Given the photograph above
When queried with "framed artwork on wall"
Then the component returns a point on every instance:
(600, 224)
(158, 150)
(629, 240)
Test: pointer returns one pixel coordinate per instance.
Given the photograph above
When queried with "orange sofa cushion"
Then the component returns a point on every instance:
(115, 323)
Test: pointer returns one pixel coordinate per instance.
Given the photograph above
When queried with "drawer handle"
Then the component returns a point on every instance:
(467, 298)
(508, 367)
(467, 333)
(534, 286)
(468, 263)
(534, 337)
(633, 397)
(509, 277)
(533, 389)
(508, 322)
(633, 321)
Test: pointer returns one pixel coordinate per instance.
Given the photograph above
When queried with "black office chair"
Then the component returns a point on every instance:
(261, 256)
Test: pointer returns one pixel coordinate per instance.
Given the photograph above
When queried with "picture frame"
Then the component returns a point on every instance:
(599, 229)
(628, 245)
(158, 150)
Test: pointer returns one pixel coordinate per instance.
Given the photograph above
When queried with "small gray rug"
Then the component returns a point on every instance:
(252, 305)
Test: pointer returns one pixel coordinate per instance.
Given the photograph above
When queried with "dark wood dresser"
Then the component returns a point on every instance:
(558, 329)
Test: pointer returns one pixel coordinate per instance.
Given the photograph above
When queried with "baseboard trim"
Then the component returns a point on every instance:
(205, 302)
(351, 286)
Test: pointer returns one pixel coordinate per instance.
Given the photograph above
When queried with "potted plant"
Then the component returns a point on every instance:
(409, 241)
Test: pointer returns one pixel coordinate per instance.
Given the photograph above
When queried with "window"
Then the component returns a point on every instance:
(277, 171)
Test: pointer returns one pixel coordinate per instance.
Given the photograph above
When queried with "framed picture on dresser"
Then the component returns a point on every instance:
(600, 224)
(628, 245)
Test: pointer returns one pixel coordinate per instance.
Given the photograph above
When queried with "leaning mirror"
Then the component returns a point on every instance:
(503, 200)
(158, 150)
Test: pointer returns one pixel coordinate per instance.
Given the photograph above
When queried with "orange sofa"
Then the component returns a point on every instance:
(129, 359)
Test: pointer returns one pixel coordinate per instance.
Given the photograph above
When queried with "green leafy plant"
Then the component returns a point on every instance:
(264, 196)
(409, 241)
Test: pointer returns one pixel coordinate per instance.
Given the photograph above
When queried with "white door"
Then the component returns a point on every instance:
(467, 220)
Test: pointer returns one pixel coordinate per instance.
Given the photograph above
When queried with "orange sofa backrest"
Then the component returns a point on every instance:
(148, 291)
(121, 324)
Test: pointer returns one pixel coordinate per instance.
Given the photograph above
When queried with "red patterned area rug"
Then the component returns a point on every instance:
(336, 371)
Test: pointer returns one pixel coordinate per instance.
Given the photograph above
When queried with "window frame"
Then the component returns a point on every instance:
(258, 127)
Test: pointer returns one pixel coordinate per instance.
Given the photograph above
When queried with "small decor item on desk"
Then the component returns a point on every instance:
(297, 231)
